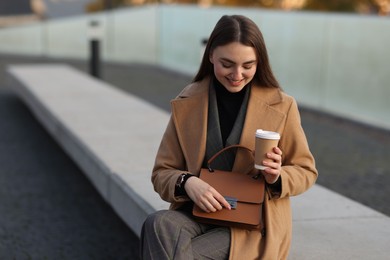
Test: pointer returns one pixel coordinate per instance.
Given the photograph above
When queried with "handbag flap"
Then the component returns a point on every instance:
(243, 187)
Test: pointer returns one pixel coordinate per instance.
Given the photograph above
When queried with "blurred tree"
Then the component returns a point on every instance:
(100, 5)
(381, 7)
(331, 5)
(352, 6)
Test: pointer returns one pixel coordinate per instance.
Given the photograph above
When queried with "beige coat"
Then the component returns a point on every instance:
(183, 147)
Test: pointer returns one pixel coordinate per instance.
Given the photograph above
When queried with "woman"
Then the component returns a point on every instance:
(233, 94)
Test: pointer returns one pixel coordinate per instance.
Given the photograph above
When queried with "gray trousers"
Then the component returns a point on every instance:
(171, 234)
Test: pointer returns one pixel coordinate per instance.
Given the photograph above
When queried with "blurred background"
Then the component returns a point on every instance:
(331, 55)
(22, 11)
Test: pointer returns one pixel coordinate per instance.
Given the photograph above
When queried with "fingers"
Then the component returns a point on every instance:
(274, 165)
(275, 155)
(205, 196)
(213, 202)
(277, 151)
(275, 158)
(271, 175)
(222, 201)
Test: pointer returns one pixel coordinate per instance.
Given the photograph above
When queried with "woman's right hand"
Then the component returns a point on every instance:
(205, 196)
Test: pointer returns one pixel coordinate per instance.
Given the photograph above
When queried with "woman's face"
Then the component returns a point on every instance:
(234, 65)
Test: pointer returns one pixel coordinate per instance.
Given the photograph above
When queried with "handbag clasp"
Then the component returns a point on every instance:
(232, 201)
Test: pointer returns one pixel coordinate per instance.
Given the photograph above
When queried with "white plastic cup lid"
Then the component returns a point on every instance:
(267, 134)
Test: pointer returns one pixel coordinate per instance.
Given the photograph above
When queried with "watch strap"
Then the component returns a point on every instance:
(181, 181)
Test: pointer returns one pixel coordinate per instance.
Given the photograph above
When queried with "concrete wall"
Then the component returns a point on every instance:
(330, 62)
(128, 35)
(334, 63)
(23, 40)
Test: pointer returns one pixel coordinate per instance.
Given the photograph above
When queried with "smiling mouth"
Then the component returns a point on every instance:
(235, 82)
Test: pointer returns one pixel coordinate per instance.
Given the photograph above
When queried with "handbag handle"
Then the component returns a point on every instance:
(223, 150)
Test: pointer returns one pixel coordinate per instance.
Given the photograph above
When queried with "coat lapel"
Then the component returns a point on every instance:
(189, 114)
(261, 114)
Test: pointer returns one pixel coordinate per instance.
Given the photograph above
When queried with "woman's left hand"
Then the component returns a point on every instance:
(274, 165)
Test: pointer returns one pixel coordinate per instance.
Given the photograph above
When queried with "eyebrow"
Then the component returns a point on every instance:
(230, 61)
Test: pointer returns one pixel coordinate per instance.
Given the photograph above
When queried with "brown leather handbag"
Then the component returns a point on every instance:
(245, 194)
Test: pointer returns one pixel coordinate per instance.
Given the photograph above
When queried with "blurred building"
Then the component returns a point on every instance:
(14, 12)
(63, 8)
(23, 11)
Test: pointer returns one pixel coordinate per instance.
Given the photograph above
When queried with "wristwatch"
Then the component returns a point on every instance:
(181, 181)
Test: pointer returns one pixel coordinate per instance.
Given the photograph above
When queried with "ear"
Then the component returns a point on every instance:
(211, 57)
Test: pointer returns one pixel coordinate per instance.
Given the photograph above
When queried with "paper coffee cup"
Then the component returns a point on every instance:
(265, 142)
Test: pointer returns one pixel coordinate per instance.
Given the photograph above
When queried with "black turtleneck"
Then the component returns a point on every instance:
(229, 105)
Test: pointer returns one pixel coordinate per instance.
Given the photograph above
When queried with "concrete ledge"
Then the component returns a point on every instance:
(329, 226)
(113, 137)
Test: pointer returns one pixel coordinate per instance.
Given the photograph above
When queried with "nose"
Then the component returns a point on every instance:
(236, 73)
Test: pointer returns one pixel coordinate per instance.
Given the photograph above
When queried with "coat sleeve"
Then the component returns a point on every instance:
(298, 166)
(168, 166)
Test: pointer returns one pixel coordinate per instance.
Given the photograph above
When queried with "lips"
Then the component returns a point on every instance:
(235, 82)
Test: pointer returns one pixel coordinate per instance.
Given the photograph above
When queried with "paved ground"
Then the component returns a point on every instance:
(35, 171)
(48, 209)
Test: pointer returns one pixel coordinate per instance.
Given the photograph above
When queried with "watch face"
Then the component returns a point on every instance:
(180, 180)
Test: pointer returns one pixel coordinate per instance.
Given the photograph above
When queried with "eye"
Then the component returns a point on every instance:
(249, 66)
(226, 65)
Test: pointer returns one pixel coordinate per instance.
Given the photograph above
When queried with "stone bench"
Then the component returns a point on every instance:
(113, 137)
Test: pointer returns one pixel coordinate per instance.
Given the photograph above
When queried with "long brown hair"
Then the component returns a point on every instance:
(238, 28)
